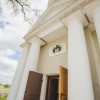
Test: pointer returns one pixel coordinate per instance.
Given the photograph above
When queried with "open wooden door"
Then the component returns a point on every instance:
(63, 84)
(33, 87)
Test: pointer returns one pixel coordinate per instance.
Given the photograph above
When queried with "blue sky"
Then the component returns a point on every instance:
(12, 30)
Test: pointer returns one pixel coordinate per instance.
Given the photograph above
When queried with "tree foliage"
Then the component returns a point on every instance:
(6, 86)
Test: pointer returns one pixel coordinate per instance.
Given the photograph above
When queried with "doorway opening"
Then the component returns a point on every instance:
(52, 88)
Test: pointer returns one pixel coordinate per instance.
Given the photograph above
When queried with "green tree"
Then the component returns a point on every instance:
(6, 86)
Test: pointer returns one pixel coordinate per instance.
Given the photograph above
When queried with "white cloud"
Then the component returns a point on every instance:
(6, 77)
(10, 63)
(7, 52)
(7, 66)
(11, 37)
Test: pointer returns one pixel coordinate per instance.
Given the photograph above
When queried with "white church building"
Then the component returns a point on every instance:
(61, 54)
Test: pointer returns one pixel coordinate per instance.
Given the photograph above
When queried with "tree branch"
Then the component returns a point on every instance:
(16, 4)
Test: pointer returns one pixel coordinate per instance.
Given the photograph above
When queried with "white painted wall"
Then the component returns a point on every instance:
(49, 65)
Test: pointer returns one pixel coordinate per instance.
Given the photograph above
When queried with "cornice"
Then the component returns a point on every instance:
(55, 4)
(25, 44)
(50, 2)
(37, 39)
(75, 7)
(59, 16)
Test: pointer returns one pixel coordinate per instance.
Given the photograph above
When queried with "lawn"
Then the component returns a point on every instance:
(3, 90)
(2, 98)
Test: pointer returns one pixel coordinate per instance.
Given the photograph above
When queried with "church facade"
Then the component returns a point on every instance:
(61, 54)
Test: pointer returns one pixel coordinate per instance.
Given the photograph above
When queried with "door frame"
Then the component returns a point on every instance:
(44, 85)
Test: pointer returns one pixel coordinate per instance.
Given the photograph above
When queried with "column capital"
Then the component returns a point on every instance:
(78, 16)
(38, 40)
(25, 44)
(75, 21)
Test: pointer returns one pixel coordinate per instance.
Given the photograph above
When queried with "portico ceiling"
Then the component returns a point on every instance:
(59, 12)
(56, 34)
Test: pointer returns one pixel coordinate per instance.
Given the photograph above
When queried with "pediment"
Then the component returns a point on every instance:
(53, 9)
(57, 10)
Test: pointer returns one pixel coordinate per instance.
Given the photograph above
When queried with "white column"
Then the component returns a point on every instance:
(19, 71)
(79, 76)
(43, 88)
(31, 65)
(96, 17)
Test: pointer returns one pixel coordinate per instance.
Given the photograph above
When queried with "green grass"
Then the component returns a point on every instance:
(4, 89)
(2, 98)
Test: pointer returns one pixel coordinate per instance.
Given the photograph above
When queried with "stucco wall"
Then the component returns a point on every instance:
(50, 65)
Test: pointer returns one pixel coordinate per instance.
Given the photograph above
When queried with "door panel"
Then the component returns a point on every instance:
(33, 87)
(63, 84)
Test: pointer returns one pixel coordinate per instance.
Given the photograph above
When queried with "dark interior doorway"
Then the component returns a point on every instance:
(52, 88)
